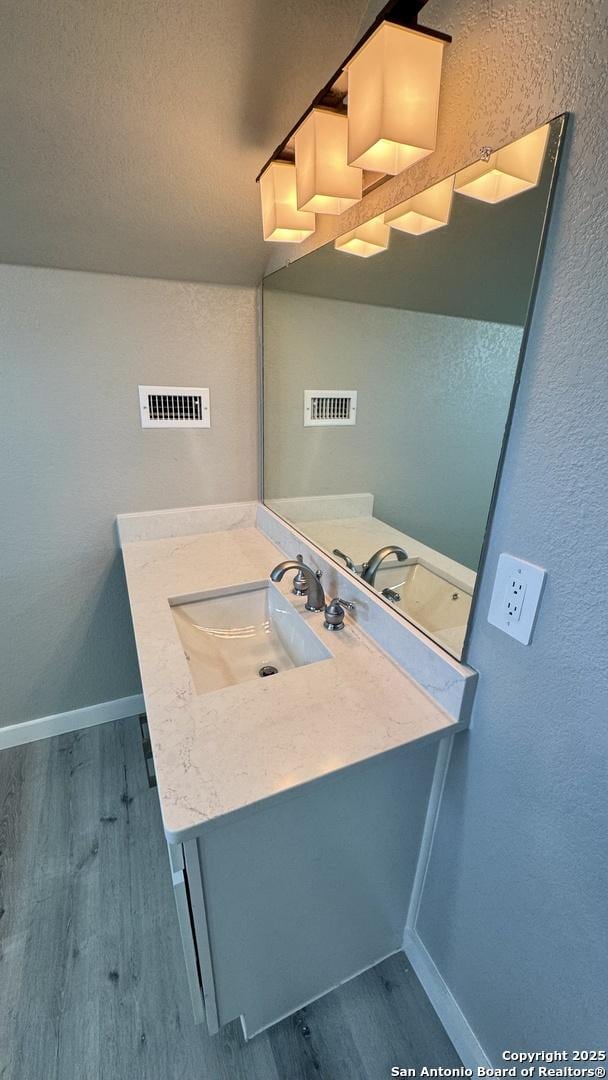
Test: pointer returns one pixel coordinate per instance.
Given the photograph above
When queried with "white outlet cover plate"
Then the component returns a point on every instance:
(516, 595)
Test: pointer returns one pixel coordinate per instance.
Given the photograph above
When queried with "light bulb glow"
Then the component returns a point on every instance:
(424, 212)
(393, 99)
(370, 238)
(326, 183)
(509, 171)
(282, 221)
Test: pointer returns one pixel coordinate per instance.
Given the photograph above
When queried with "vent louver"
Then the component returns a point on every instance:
(329, 408)
(174, 407)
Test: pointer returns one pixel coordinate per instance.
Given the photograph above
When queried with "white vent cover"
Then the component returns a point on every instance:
(329, 408)
(174, 407)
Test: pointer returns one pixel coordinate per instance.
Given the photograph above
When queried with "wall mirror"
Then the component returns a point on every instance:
(389, 380)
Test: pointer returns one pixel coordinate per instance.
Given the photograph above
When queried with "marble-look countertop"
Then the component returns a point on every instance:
(224, 751)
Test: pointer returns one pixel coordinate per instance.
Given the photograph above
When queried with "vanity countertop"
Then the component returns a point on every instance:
(220, 752)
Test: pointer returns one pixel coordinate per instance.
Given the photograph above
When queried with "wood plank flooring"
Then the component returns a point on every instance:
(92, 985)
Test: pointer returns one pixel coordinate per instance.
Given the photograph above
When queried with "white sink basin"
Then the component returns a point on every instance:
(433, 601)
(231, 637)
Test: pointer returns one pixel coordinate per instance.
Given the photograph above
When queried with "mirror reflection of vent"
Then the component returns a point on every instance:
(329, 408)
(174, 407)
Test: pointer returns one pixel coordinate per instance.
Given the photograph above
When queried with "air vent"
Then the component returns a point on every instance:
(174, 407)
(329, 408)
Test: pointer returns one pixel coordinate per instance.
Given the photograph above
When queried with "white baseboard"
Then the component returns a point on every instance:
(45, 726)
(448, 1010)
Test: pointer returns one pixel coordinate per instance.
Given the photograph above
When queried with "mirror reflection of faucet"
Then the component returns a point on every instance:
(392, 595)
(371, 568)
(356, 568)
(368, 570)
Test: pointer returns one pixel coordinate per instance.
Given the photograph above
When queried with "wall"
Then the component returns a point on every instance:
(73, 347)
(433, 395)
(514, 909)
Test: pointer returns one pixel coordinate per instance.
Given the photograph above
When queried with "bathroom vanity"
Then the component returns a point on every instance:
(300, 770)
(294, 805)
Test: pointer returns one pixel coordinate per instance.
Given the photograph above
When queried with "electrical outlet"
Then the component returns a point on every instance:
(516, 595)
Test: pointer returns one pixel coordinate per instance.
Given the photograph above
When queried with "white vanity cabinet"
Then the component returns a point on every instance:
(283, 901)
(293, 806)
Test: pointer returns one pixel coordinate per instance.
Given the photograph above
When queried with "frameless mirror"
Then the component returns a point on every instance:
(389, 380)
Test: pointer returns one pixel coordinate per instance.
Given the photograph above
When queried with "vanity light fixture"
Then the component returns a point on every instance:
(367, 239)
(325, 182)
(389, 83)
(282, 221)
(507, 172)
(393, 98)
(428, 210)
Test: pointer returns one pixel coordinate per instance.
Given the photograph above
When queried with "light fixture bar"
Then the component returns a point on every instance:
(402, 13)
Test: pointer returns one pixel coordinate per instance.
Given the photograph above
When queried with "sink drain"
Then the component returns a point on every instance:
(267, 669)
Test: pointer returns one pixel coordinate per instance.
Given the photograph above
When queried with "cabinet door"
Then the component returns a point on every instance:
(182, 905)
(196, 896)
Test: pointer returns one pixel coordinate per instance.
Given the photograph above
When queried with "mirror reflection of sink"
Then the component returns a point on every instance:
(435, 602)
(245, 633)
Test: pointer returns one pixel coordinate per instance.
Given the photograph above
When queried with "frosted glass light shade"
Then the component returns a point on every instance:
(393, 99)
(325, 182)
(368, 239)
(508, 172)
(424, 212)
(281, 219)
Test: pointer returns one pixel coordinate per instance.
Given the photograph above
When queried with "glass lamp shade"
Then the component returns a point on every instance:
(393, 99)
(282, 221)
(368, 239)
(424, 212)
(326, 183)
(507, 172)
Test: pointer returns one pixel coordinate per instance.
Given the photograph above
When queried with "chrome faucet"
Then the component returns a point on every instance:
(314, 590)
(371, 568)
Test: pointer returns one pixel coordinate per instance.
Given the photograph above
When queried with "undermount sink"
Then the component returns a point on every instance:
(249, 632)
(433, 601)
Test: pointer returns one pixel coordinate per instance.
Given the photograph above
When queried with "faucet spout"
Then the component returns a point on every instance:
(371, 568)
(314, 590)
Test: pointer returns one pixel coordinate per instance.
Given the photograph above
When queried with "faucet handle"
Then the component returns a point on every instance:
(300, 587)
(347, 559)
(334, 613)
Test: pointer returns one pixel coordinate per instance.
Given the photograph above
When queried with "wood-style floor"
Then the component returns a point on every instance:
(92, 985)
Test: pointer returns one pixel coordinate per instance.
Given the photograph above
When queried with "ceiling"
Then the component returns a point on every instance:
(132, 131)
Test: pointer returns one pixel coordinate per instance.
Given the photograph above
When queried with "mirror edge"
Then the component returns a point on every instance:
(563, 118)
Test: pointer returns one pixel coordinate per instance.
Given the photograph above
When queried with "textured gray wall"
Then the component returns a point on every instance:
(433, 397)
(514, 909)
(73, 348)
